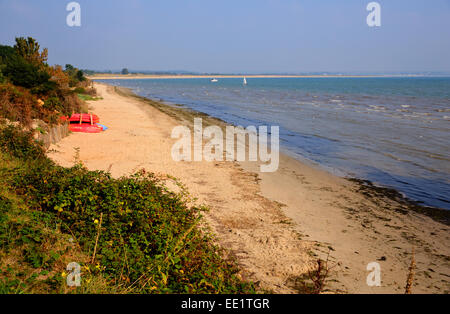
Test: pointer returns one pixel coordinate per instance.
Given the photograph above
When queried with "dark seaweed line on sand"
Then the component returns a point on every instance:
(365, 187)
(370, 190)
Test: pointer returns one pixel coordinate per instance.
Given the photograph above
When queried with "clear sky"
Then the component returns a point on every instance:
(237, 35)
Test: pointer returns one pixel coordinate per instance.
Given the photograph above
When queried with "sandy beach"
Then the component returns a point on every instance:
(275, 224)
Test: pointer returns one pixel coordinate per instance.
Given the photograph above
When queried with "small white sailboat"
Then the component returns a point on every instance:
(214, 80)
(245, 81)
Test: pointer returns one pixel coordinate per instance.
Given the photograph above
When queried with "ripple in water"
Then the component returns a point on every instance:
(393, 131)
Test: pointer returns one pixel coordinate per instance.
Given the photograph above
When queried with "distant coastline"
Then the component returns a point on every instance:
(208, 76)
(340, 99)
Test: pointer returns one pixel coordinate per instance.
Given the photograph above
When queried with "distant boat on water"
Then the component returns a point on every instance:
(214, 80)
(245, 81)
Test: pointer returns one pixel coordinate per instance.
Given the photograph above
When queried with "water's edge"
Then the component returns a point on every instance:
(365, 187)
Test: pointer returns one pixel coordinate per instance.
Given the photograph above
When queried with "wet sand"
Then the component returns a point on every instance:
(275, 224)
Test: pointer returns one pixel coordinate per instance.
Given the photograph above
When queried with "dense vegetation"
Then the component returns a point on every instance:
(129, 235)
(31, 89)
(148, 239)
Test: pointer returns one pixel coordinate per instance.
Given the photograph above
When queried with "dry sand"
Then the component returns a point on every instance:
(275, 224)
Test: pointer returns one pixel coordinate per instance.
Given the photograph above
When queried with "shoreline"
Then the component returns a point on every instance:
(275, 224)
(224, 76)
(441, 215)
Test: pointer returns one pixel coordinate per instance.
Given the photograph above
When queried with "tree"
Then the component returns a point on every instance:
(23, 73)
(2, 67)
(2, 64)
(29, 49)
(69, 67)
(125, 71)
(80, 76)
(74, 74)
(24, 65)
(6, 52)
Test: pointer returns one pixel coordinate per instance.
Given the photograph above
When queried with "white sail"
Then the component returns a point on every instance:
(245, 81)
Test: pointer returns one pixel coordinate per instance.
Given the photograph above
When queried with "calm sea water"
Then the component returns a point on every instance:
(392, 131)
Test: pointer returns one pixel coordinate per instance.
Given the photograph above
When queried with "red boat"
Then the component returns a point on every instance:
(85, 128)
(85, 123)
(84, 117)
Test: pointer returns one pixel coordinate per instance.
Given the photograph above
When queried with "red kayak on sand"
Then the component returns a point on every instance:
(85, 117)
(85, 128)
(84, 122)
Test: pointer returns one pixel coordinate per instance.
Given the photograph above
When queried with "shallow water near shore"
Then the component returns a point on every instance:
(392, 131)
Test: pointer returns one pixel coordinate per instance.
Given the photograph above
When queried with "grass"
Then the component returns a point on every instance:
(129, 235)
(86, 97)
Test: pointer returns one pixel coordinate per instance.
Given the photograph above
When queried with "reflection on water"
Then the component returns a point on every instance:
(393, 131)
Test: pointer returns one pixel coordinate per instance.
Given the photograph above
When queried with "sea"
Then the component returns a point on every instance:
(393, 131)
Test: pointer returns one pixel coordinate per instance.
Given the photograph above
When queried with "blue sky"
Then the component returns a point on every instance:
(237, 35)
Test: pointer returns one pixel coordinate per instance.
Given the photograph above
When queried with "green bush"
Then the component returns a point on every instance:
(17, 104)
(147, 233)
(26, 79)
(149, 241)
(45, 88)
(2, 68)
(76, 76)
(79, 90)
(22, 73)
(53, 103)
(80, 76)
(6, 52)
(20, 144)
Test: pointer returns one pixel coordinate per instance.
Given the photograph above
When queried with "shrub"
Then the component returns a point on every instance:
(19, 104)
(147, 233)
(22, 73)
(26, 66)
(19, 143)
(45, 88)
(2, 78)
(16, 104)
(76, 76)
(79, 90)
(72, 104)
(6, 52)
(53, 103)
(29, 49)
(80, 76)
(91, 91)
(30, 89)
(149, 239)
(2, 68)
(59, 77)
